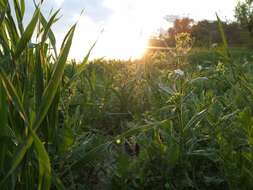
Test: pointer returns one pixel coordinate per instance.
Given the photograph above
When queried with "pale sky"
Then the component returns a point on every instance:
(126, 24)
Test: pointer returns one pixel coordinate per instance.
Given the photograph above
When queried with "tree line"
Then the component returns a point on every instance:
(205, 33)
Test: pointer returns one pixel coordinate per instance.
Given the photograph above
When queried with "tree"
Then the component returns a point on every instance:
(183, 25)
(244, 14)
(205, 33)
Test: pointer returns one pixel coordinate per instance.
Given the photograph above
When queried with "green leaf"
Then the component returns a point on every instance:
(3, 111)
(22, 7)
(39, 78)
(65, 139)
(81, 67)
(198, 79)
(49, 33)
(3, 11)
(17, 158)
(44, 164)
(47, 99)
(195, 119)
(3, 126)
(13, 96)
(27, 35)
(19, 15)
(58, 183)
(222, 33)
(55, 80)
(47, 28)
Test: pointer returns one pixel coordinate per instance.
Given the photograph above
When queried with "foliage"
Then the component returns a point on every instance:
(204, 33)
(183, 25)
(31, 77)
(184, 43)
(244, 14)
(154, 123)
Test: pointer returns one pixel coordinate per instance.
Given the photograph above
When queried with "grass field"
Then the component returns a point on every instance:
(168, 121)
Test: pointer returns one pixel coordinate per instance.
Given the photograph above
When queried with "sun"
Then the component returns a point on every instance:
(126, 33)
(129, 28)
(122, 40)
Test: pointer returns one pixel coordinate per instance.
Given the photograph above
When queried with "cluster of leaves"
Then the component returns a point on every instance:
(244, 14)
(189, 128)
(31, 76)
(205, 32)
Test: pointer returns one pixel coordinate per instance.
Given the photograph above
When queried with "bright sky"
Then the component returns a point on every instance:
(126, 24)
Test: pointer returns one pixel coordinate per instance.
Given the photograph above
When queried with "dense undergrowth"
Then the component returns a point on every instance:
(169, 121)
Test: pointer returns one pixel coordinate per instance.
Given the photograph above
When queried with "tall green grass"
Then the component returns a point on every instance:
(31, 83)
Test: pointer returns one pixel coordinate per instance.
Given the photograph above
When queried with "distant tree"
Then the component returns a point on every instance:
(244, 14)
(237, 35)
(183, 25)
(206, 33)
(203, 33)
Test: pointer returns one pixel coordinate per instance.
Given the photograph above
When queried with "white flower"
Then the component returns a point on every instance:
(200, 67)
(179, 72)
(214, 45)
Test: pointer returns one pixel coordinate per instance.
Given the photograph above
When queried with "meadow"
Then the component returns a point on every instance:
(178, 120)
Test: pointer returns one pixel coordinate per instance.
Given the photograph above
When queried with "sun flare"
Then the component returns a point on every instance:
(127, 45)
(129, 25)
(126, 36)
(126, 32)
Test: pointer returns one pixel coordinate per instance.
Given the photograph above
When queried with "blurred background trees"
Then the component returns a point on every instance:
(205, 33)
(244, 14)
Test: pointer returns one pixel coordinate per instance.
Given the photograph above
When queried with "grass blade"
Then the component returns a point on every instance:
(26, 37)
(54, 82)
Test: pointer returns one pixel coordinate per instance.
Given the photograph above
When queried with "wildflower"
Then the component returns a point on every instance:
(214, 45)
(220, 67)
(184, 43)
(179, 72)
(199, 67)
